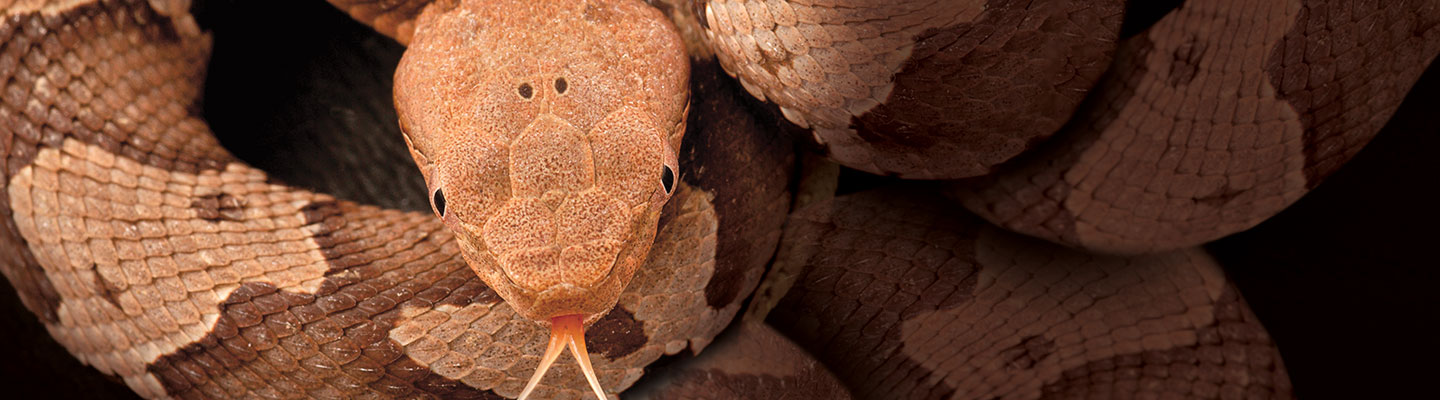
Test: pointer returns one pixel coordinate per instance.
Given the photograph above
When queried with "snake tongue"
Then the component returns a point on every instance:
(566, 331)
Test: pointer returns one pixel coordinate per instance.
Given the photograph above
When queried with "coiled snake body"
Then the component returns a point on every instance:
(153, 255)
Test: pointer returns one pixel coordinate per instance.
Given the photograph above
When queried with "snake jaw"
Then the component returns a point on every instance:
(566, 331)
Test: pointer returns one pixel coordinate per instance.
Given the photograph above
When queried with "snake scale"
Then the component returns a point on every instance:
(155, 256)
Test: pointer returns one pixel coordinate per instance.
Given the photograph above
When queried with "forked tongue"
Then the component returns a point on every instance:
(566, 331)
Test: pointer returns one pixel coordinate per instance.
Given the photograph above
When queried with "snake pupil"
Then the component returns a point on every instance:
(667, 178)
(526, 91)
(440, 202)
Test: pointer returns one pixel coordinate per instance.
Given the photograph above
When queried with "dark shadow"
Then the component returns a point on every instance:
(1140, 15)
(1346, 279)
(305, 90)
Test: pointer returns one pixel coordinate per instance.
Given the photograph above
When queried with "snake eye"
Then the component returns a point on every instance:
(667, 178)
(439, 200)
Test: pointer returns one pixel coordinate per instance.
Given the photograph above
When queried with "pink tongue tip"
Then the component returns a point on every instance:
(566, 331)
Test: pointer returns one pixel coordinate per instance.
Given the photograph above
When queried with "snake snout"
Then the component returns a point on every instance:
(559, 235)
(575, 242)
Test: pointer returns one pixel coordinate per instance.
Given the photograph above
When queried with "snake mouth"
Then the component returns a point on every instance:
(591, 297)
(567, 299)
(591, 301)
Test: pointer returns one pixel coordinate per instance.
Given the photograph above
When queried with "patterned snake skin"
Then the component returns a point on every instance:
(943, 305)
(153, 255)
(1214, 119)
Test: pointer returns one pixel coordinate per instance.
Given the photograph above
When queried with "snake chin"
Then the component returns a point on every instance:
(542, 304)
(567, 299)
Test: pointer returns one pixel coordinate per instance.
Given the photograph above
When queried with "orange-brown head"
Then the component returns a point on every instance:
(547, 133)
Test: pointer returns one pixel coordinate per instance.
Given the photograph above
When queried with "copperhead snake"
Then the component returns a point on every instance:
(155, 256)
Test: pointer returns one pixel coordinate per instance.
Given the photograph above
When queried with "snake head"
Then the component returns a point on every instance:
(547, 133)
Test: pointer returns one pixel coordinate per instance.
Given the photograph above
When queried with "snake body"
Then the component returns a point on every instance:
(153, 255)
(919, 89)
(1218, 117)
(191, 275)
(1210, 121)
(970, 311)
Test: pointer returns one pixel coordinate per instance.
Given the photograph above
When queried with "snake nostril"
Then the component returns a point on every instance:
(526, 91)
(561, 85)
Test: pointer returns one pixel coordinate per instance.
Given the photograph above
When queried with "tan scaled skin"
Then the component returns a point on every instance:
(547, 133)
